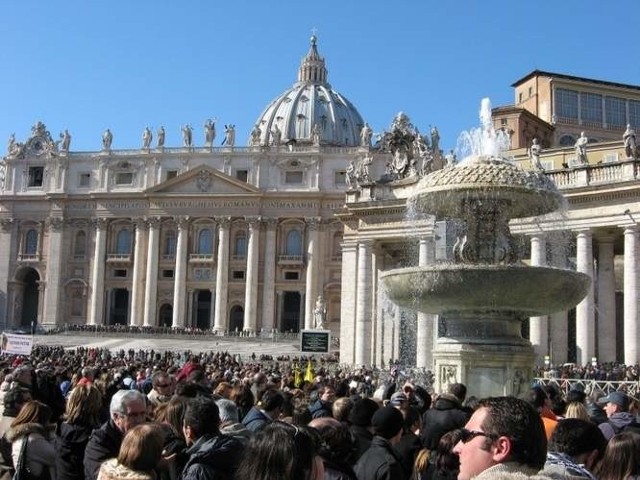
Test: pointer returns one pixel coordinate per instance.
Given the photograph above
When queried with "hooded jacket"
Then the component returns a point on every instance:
(70, 442)
(212, 458)
(380, 462)
(446, 415)
(40, 452)
(256, 420)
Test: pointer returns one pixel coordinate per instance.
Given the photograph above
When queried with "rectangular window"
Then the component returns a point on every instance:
(124, 178)
(634, 114)
(84, 180)
(339, 178)
(615, 111)
(120, 273)
(293, 177)
(171, 174)
(167, 273)
(292, 275)
(237, 274)
(36, 176)
(566, 104)
(591, 108)
(242, 175)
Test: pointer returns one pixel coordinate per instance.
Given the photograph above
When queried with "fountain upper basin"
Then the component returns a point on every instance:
(531, 291)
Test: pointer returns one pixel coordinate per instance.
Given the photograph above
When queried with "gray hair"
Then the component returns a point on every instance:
(122, 398)
(228, 411)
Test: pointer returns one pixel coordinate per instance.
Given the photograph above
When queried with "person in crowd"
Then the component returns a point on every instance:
(446, 415)
(504, 436)
(30, 436)
(337, 448)
(14, 400)
(139, 455)
(170, 417)
(268, 409)
(281, 451)
(577, 410)
(244, 399)
(618, 416)
(128, 409)
(596, 413)
(229, 424)
(361, 429)
(382, 461)
(538, 399)
(88, 376)
(442, 463)
(409, 444)
(621, 459)
(341, 408)
(575, 448)
(322, 407)
(81, 417)
(162, 388)
(210, 454)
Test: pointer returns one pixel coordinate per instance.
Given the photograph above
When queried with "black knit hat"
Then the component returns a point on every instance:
(387, 422)
(362, 411)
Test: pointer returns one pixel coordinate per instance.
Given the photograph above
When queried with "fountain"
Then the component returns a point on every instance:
(486, 291)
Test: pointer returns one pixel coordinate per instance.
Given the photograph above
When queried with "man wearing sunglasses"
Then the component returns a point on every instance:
(504, 435)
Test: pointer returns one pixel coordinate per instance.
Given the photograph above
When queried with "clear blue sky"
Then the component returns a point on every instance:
(124, 64)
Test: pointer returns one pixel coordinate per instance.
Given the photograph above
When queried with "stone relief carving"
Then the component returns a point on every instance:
(204, 180)
(448, 375)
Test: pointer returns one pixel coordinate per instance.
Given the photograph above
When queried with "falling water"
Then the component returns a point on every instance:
(483, 141)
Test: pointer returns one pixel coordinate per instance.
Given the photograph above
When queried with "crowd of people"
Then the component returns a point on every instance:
(93, 414)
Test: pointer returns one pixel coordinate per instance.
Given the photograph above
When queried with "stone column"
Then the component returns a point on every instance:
(180, 280)
(631, 295)
(363, 304)
(151, 285)
(606, 311)
(559, 337)
(348, 302)
(7, 252)
(425, 321)
(585, 311)
(52, 303)
(539, 326)
(313, 259)
(96, 307)
(211, 308)
(222, 274)
(269, 282)
(135, 317)
(251, 287)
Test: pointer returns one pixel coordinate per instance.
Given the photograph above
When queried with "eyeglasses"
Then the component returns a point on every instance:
(163, 385)
(466, 436)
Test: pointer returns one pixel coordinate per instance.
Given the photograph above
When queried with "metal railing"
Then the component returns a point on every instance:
(631, 388)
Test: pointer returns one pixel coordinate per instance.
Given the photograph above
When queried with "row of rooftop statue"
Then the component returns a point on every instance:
(628, 138)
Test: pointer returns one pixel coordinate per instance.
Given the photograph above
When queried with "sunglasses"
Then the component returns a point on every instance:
(466, 436)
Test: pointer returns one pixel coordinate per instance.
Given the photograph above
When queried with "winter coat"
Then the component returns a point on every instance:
(70, 442)
(237, 431)
(616, 423)
(446, 415)
(362, 438)
(103, 444)
(212, 458)
(407, 448)
(380, 462)
(512, 471)
(112, 470)
(256, 420)
(320, 409)
(40, 453)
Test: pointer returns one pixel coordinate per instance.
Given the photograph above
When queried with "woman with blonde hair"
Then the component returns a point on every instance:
(577, 410)
(139, 456)
(29, 436)
(82, 415)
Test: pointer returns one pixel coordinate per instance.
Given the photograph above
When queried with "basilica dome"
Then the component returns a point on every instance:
(310, 112)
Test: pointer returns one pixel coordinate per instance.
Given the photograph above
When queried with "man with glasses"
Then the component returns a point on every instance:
(128, 409)
(504, 435)
(162, 388)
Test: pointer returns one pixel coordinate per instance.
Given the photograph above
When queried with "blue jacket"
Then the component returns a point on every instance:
(256, 420)
(212, 458)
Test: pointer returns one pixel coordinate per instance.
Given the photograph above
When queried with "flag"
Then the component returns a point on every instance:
(297, 376)
(308, 376)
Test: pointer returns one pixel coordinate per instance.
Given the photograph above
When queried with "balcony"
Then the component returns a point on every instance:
(290, 259)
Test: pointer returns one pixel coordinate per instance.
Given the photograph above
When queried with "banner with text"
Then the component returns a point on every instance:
(16, 344)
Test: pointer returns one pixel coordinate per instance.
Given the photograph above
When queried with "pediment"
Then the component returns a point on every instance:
(205, 180)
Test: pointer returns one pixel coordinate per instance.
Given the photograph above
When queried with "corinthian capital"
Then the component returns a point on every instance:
(254, 222)
(55, 224)
(6, 224)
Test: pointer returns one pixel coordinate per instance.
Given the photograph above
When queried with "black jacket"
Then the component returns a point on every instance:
(212, 458)
(70, 442)
(380, 462)
(103, 444)
(446, 415)
(361, 438)
(407, 448)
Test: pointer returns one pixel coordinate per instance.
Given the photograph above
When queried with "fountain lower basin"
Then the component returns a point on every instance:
(529, 291)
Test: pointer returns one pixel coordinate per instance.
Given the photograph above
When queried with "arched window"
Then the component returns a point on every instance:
(31, 242)
(293, 245)
(123, 242)
(240, 245)
(567, 140)
(170, 242)
(205, 241)
(80, 245)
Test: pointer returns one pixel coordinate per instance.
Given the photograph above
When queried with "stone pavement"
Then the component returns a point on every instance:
(244, 347)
